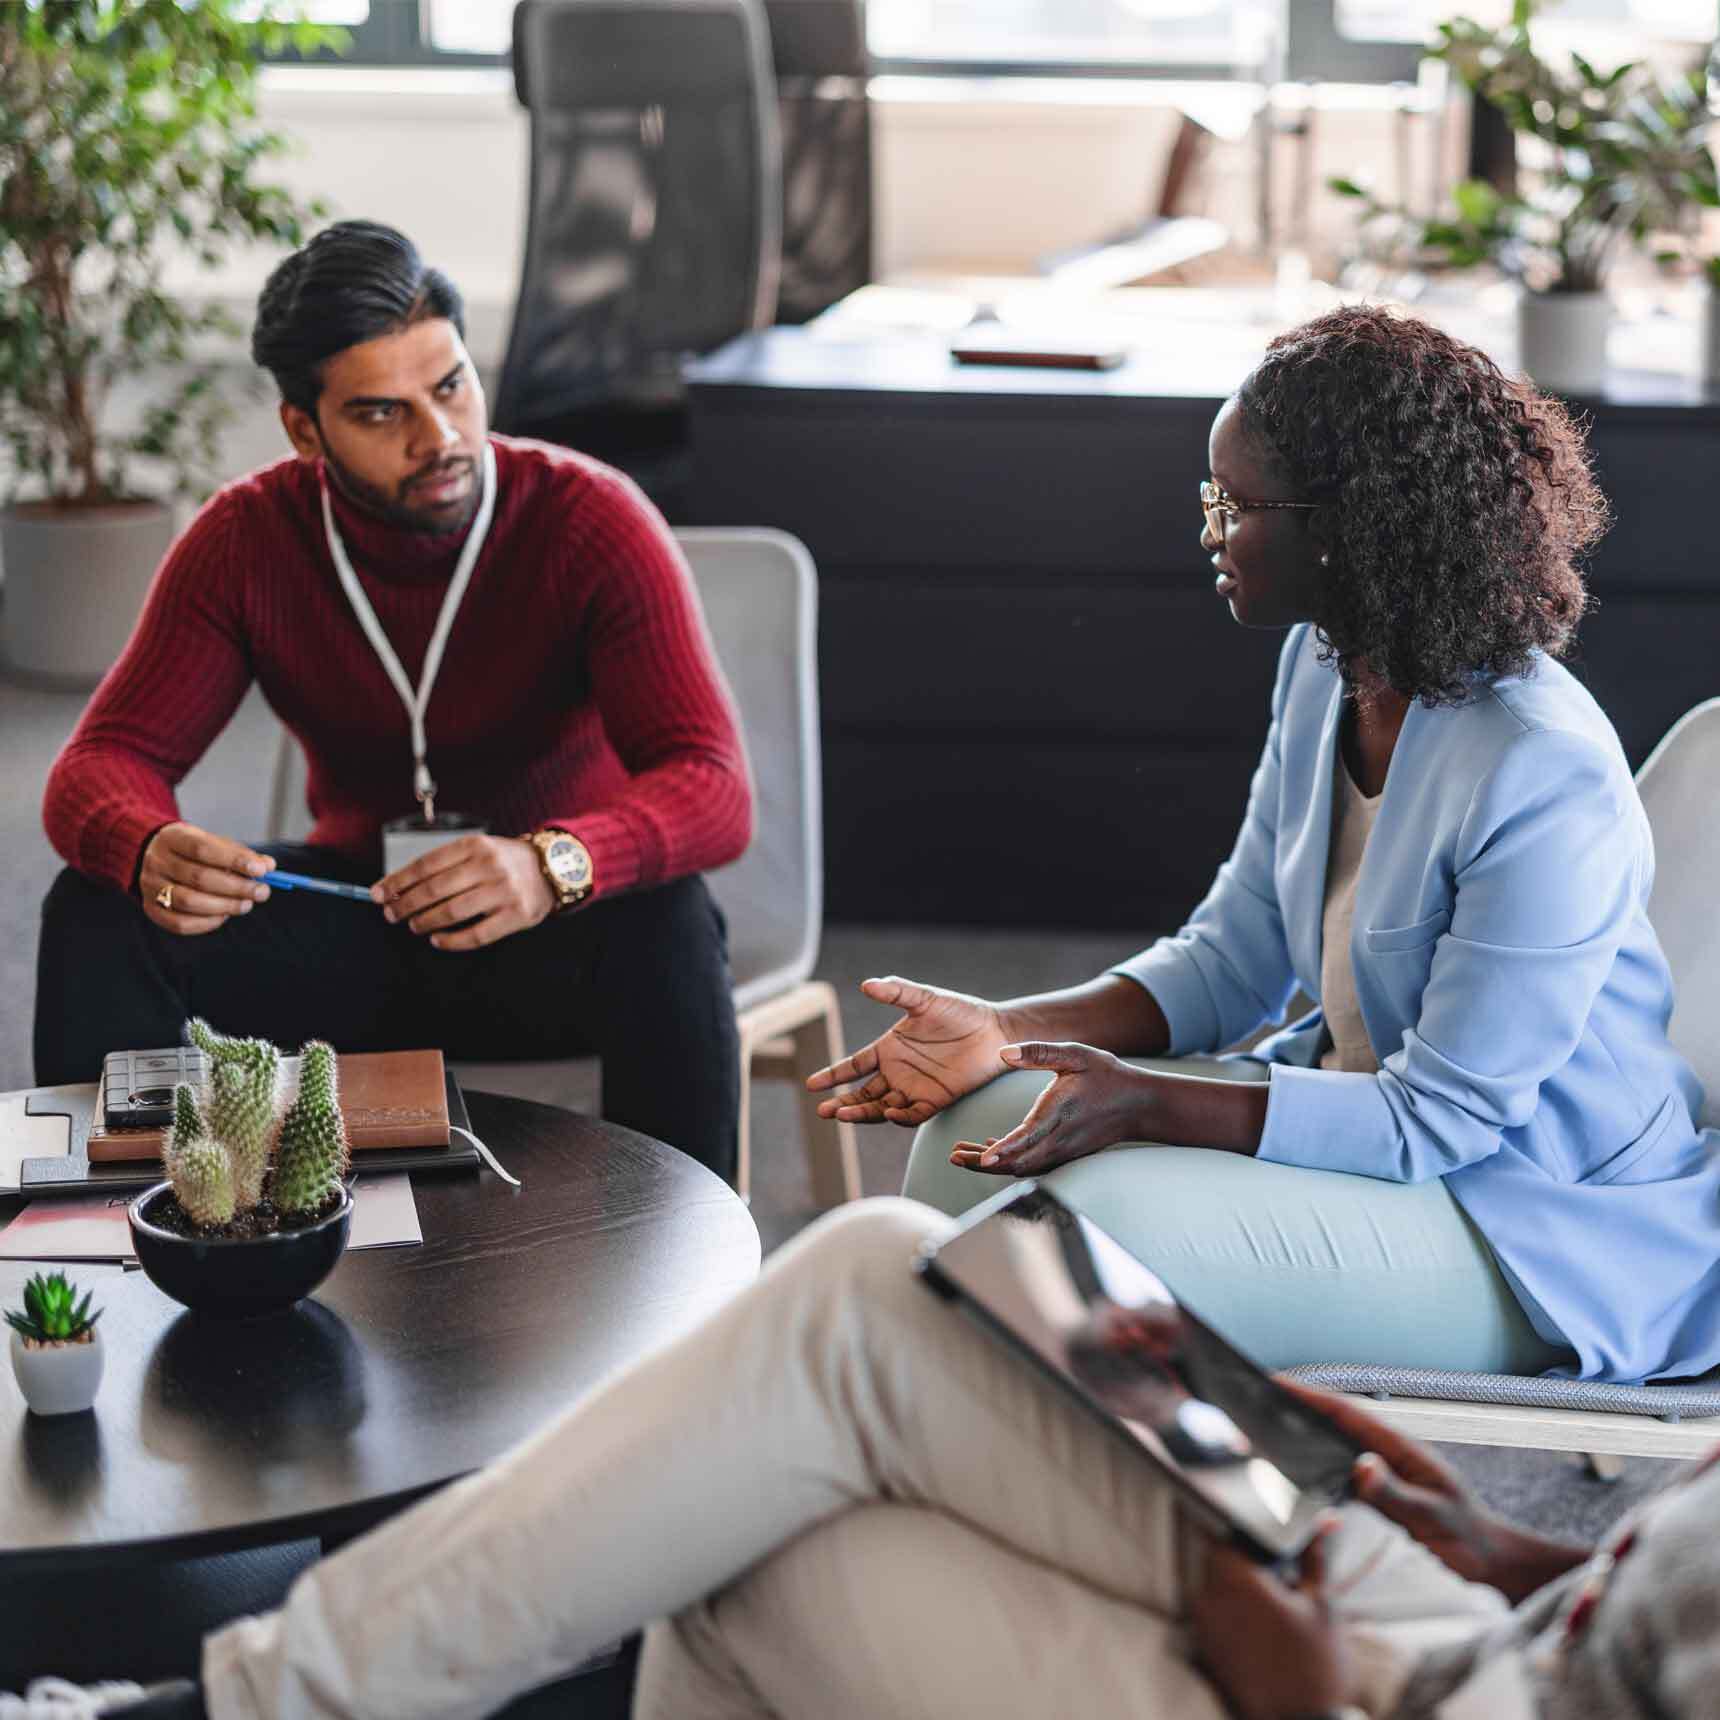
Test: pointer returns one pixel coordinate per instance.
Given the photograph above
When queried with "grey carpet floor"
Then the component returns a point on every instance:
(227, 792)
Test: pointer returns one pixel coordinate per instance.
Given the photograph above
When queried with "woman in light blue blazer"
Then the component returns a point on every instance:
(1480, 1151)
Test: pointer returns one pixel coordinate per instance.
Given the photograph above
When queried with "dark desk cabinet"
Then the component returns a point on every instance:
(1035, 709)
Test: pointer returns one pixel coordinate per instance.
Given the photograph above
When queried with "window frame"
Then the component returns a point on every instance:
(393, 36)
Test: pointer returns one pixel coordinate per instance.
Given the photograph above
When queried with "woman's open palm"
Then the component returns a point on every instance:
(945, 1045)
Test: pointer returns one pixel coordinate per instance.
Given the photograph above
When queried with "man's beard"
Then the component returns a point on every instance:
(396, 510)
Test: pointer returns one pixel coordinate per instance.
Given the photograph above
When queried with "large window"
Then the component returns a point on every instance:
(416, 32)
(1178, 38)
(1191, 38)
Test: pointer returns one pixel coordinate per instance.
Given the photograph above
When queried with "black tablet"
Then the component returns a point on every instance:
(1254, 1461)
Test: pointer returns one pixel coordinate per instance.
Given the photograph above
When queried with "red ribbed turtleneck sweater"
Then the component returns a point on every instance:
(578, 687)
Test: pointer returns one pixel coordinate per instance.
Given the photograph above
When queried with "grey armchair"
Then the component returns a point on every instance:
(759, 590)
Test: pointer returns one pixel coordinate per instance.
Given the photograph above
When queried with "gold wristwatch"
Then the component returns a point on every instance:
(566, 863)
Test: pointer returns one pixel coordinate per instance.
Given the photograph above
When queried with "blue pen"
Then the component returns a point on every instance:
(298, 881)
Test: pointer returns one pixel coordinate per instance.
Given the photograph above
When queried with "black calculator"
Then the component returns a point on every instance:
(137, 1086)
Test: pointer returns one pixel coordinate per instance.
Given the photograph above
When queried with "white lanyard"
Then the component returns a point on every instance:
(416, 703)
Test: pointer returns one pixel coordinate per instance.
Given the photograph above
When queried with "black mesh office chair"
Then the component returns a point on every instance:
(819, 49)
(654, 222)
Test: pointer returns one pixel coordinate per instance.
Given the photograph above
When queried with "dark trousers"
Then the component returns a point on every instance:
(641, 981)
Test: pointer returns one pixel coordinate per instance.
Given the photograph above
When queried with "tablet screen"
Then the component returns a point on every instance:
(1110, 1329)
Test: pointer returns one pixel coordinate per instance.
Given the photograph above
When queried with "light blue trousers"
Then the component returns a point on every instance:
(1292, 1265)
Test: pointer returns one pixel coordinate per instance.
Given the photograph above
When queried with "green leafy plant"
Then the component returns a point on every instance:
(1624, 157)
(52, 1313)
(127, 132)
(226, 1155)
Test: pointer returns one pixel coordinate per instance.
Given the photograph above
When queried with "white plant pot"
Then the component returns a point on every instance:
(1709, 353)
(58, 1379)
(74, 584)
(1562, 340)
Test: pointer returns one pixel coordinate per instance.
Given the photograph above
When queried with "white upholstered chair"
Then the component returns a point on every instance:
(760, 594)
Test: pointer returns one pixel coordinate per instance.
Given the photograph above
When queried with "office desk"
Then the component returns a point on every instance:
(1035, 710)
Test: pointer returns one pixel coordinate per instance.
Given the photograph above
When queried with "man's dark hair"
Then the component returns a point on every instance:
(355, 281)
(1461, 499)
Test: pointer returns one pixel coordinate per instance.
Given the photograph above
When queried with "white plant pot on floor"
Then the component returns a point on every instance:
(58, 1379)
(1562, 340)
(74, 581)
(1708, 356)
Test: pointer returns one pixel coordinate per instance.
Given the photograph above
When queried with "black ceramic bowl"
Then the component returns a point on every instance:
(236, 1279)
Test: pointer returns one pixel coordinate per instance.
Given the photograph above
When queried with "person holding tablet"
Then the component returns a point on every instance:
(448, 622)
(886, 1513)
(1478, 1150)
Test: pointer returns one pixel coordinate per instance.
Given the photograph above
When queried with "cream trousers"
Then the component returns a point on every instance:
(842, 1498)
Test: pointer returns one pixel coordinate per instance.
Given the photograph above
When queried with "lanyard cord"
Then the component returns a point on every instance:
(416, 703)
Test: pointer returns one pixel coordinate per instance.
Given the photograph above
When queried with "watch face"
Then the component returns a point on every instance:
(570, 862)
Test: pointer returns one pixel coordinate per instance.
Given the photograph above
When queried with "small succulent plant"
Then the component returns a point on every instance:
(52, 1313)
(224, 1143)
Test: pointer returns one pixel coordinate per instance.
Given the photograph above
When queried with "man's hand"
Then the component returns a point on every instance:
(1272, 1648)
(209, 879)
(1403, 1480)
(1096, 1101)
(494, 882)
(945, 1045)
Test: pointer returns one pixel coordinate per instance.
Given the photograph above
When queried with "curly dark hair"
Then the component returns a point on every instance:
(1460, 499)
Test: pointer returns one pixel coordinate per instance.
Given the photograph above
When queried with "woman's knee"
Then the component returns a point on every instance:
(993, 1110)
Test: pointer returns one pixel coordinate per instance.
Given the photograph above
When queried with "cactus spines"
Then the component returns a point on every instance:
(188, 1125)
(202, 1177)
(312, 1155)
(196, 1164)
(185, 1131)
(224, 1141)
(243, 1077)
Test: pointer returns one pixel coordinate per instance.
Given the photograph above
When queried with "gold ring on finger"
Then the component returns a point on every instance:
(164, 896)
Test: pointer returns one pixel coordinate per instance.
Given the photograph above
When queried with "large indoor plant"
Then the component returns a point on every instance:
(128, 136)
(1622, 155)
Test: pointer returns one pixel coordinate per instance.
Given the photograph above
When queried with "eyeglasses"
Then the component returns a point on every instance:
(1220, 507)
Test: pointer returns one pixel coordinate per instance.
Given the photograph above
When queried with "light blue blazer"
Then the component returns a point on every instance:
(1512, 987)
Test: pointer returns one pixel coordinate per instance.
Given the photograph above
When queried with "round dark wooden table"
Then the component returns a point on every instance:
(410, 1367)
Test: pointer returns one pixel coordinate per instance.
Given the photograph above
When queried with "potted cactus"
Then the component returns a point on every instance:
(254, 1212)
(56, 1349)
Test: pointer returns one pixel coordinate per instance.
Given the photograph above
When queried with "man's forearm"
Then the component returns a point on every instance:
(1111, 1013)
(674, 820)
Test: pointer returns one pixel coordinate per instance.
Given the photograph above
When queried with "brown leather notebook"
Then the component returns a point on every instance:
(388, 1098)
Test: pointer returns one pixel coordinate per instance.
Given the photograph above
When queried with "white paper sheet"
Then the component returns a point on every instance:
(93, 1227)
(386, 1212)
(26, 1137)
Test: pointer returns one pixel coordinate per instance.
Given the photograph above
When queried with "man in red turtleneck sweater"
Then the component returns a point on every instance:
(577, 715)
